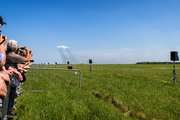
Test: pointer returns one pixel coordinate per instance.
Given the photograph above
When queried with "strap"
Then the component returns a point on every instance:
(2, 42)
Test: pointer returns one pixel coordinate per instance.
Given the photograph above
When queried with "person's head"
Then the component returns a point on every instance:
(1, 22)
(12, 45)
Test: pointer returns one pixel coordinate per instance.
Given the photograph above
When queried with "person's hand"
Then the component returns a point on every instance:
(31, 53)
(5, 38)
(18, 49)
(20, 77)
(2, 39)
(9, 72)
(3, 89)
(26, 48)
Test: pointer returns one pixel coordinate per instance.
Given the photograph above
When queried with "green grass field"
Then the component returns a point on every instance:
(109, 92)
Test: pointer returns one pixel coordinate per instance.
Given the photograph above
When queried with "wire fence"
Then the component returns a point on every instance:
(42, 79)
(39, 79)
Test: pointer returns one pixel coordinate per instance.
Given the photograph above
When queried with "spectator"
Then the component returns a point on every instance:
(12, 60)
(24, 53)
(3, 77)
(3, 40)
(22, 67)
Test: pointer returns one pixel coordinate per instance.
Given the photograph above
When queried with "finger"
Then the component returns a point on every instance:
(5, 37)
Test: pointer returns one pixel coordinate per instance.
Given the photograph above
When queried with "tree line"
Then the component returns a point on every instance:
(157, 63)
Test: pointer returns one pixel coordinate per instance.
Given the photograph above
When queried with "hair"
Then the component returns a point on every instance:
(11, 45)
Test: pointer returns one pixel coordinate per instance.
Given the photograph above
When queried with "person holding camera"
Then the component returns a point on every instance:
(12, 60)
(3, 40)
(4, 78)
(24, 51)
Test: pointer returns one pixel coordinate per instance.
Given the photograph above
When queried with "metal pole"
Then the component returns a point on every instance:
(80, 80)
(90, 68)
(174, 72)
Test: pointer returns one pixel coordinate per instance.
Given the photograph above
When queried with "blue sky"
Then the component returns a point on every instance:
(106, 31)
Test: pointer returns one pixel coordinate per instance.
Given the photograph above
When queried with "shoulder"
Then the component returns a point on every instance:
(12, 57)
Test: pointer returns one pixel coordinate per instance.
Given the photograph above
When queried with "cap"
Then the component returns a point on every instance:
(1, 21)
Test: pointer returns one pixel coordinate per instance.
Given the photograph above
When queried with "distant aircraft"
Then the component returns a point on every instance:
(63, 47)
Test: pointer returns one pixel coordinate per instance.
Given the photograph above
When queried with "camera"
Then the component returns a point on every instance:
(22, 48)
(3, 37)
(31, 60)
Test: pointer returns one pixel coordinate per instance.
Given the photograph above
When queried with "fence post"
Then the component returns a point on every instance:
(80, 80)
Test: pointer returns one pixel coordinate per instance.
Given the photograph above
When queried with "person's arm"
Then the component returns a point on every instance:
(31, 53)
(18, 49)
(28, 55)
(20, 78)
(9, 72)
(4, 80)
(3, 89)
(5, 77)
(2, 51)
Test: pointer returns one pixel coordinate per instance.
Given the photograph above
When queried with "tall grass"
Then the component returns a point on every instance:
(108, 92)
(66, 104)
(140, 90)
